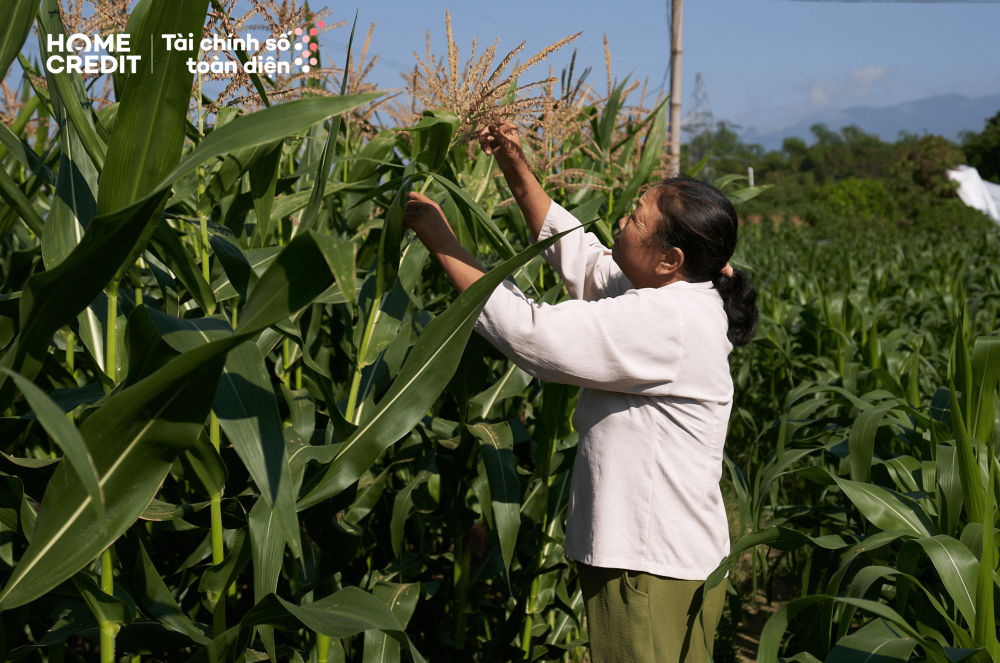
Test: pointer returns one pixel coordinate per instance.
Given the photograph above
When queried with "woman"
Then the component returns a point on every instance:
(647, 337)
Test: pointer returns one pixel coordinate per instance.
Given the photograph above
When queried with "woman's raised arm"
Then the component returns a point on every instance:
(504, 143)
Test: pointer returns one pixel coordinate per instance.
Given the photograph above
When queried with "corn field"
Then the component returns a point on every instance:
(243, 416)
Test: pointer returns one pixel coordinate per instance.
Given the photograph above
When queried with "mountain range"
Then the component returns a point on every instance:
(944, 115)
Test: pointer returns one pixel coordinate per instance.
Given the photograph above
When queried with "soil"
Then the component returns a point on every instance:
(755, 616)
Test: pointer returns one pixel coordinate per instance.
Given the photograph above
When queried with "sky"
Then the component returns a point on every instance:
(766, 64)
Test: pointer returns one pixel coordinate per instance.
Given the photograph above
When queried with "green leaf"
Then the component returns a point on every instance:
(473, 210)
(439, 126)
(274, 297)
(402, 600)
(263, 181)
(960, 367)
(780, 538)
(697, 168)
(267, 546)
(770, 637)
(133, 440)
(21, 151)
(301, 411)
(308, 217)
(511, 383)
(14, 197)
(247, 411)
(886, 509)
(157, 601)
(264, 126)
(388, 311)
(402, 505)
(69, 98)
(340, 615)
(985, 626)
(985, 376)
(106, 609)
(968, 467)
(650, 159)
(75, 200)
(742, 195)
(496, 444)
(234, 261)
(208, 466)
(877, 640)
(861, 441)
(609, 118)
(14, 30)
(65, 434)
(957, 568)
(387, 266)
(430, 365)
(217, 579)
(949, 488)
(171, 251)
(149, 131)
(339, 254)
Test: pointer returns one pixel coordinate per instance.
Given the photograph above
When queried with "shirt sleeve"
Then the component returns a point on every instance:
(583, 262)
(614, 344)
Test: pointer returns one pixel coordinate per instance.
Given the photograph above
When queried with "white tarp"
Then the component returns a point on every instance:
(974, 192)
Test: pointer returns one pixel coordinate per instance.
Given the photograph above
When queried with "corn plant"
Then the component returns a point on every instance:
(242, 416)
(877, 474)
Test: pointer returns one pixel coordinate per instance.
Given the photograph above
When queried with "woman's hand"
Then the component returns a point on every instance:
(504, 142)
(425, 218)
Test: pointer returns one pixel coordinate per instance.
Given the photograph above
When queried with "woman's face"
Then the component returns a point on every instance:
(636, 250)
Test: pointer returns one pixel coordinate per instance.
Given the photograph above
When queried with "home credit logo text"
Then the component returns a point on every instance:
(113, 54)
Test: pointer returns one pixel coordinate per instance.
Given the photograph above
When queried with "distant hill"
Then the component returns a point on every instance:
(944, 115)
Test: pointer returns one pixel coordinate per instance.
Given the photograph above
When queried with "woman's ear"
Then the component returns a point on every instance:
(672, 263)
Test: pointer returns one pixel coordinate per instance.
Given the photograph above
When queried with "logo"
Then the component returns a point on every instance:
(83, 54)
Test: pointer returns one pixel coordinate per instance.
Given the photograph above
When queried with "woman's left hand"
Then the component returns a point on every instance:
(425, 218)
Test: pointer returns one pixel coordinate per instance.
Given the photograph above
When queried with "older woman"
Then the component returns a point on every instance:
(646, 335)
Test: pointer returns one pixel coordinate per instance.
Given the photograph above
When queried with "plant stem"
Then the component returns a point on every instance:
(461, 578)
(202, 218)
(218, 551)
(286, 353)
(352, 398)
(108, 629)
(70, 352)
(111, 344)
(322, 648)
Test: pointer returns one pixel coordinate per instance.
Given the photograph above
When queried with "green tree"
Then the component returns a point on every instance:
(983, 149)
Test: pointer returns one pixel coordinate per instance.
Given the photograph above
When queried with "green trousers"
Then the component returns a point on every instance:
(637, 617)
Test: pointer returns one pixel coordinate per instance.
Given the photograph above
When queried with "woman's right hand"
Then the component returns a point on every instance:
(504, 142)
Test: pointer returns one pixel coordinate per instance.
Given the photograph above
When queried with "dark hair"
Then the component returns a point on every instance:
(698, 219)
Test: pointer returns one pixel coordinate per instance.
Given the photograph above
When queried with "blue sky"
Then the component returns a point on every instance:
(767, 64)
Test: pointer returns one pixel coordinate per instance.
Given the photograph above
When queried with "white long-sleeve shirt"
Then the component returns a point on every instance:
(653, 409)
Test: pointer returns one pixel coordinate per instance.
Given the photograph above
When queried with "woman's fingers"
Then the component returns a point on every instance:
(486, 139)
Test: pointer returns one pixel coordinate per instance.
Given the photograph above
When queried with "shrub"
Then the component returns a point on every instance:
(857, 199)
(950, 216)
